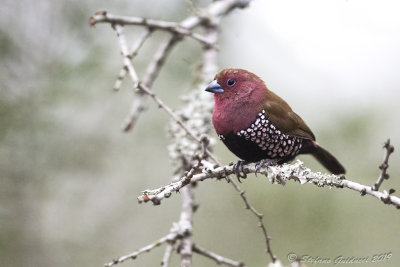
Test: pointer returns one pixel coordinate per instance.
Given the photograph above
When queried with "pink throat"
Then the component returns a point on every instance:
(233, 116)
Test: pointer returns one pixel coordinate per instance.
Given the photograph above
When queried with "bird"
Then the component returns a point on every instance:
(259, 126)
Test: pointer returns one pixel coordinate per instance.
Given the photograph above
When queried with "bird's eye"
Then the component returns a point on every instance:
(231, 82)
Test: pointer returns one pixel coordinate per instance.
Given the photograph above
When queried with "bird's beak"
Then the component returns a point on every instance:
(214, 87)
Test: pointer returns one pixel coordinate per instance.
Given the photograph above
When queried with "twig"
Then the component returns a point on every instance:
(127, 58)
(169, 111)
(133, 255)
(173, 27)
(167, 254)
(152, 71)
(134, 51)
(384, 166)
(217, 258)
(384, 196)
(276, 174)
(259, 217)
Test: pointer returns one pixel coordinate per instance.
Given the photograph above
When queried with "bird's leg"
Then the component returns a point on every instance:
(238, 169)
(268, 162)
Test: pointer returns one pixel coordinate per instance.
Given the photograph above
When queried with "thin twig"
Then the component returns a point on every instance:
(125, 52)
(134, 254)
(167, 254)
(154, 67)
(389, 149)
(217, 258)
(173, 27)
(259, 216)
(134, 51)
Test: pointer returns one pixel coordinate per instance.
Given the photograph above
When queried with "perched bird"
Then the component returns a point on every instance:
(256, 124)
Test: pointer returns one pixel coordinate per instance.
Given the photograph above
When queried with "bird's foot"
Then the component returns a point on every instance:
(268, 162)
(238, 169)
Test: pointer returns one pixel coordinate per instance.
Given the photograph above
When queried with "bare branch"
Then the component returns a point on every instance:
(173, 27)
(171, 236)
(127, 58)
(217, 258)
(384, 166)
(152, 71)
(169, 112)
(134, 51)
(167, 254)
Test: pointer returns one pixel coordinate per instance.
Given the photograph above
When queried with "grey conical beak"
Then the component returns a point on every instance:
(214, 87)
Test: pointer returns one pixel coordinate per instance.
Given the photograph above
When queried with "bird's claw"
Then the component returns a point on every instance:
(262, 162)
(238, 169)
(258, 166)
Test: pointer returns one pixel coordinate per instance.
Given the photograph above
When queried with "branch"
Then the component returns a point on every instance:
(168, 238)
(167, 254)
(217, 258)
(125, 53)
(173, 27)
(134, 51)
(384, 166)
(152, 71)
(276, 174)
(186, 220)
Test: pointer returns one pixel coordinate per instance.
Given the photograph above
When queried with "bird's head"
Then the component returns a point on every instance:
(237, 86)
(239, 96)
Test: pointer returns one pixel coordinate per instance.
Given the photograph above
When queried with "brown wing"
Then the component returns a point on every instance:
(282, 116)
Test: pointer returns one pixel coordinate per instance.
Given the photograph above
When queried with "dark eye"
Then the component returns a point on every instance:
(231, 82)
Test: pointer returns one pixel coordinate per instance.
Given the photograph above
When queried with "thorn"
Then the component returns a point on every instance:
(156, 201)
(92, 21)
(101, 12)
(363, 192)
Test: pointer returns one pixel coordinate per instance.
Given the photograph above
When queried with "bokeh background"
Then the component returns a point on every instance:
(69, 176)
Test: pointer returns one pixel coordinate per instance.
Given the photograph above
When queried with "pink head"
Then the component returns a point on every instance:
(239, 96)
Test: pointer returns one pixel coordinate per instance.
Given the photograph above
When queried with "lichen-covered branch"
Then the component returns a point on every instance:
(185, 248)
(279, 174)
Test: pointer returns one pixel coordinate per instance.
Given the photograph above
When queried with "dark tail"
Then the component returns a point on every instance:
(325, 158)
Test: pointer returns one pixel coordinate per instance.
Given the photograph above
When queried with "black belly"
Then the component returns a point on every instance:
(244, 149)
(248, 150)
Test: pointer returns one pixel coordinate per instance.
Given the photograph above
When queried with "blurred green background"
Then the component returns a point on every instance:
(69, 177)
